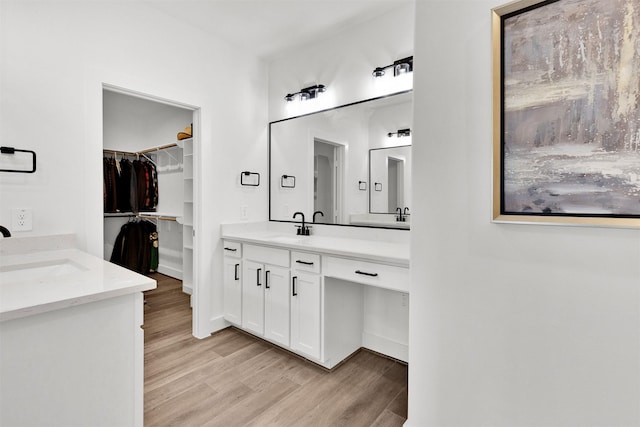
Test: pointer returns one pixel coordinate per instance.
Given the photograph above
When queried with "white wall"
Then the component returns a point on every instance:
(135, 124)
(55, 57)
(511, 325)
(343, 63)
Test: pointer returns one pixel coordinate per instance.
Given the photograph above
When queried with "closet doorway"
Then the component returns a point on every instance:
(327, 180)
(148, 151)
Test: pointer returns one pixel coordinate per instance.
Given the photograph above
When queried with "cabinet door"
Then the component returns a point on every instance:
(305, 313)
(232, 290)
(253, 297)
(276, 307)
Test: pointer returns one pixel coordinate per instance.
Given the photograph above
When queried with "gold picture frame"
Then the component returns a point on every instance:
(566, 89)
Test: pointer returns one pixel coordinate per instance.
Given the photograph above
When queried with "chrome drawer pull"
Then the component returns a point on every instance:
(304, 262)
(366, 274)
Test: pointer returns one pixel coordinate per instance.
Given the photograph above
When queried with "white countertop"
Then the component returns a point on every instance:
(396, 253)
(41, 274)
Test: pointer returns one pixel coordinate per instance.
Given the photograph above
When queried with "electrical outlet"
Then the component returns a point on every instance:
(244, 212)
(21, 219)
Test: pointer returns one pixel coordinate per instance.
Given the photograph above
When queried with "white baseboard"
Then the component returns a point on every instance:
(218, 323)
(170, 271)
(386, 346)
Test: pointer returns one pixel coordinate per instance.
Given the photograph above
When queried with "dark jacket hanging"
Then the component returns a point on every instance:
(136, 247)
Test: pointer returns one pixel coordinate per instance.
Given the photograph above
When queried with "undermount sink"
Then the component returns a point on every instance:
(39, 270)
(289, 239)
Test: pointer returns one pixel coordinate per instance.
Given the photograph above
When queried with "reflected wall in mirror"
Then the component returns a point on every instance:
(328, 153)
(390, 171)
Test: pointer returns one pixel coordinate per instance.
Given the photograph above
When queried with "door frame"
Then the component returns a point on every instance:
(341, 148)
(196, 132)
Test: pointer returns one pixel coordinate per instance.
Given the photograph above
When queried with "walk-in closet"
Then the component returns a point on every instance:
(148, 185)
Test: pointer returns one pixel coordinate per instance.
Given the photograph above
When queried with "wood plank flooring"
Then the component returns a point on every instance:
(234, 379)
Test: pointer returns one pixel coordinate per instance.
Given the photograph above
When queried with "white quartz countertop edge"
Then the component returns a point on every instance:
(23, 293)
(369, 250)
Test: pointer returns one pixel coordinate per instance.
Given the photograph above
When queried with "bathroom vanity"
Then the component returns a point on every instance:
(71, 343)
(322, 296)
(346, 286)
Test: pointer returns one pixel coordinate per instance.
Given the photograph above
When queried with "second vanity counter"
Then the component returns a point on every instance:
(69, 321)
(376, 263)
(41, 274)
(322, 296)
(373, 250)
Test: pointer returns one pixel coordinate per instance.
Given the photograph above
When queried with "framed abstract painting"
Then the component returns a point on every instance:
(566, 104)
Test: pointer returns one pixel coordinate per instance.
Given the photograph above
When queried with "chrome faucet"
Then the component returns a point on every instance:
(314, 215)
(304, 229)
(5, 232)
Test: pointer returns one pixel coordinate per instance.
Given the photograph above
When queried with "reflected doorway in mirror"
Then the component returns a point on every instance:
(327, 179)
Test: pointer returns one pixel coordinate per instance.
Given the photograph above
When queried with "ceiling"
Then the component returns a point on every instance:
(269, 28)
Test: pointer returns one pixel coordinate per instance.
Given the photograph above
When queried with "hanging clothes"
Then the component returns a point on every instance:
(123, 186)
(110, 184)
(147, 185)
(136, 247)
(129, 186)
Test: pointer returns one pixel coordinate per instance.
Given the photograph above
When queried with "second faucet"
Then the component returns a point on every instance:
(304, 229)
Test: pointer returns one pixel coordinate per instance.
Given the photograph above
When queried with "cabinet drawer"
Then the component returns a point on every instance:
(267, 255)
(305, 261)
(368, 273)
(232, 249)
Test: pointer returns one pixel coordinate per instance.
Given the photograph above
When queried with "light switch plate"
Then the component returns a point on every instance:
(21, 219)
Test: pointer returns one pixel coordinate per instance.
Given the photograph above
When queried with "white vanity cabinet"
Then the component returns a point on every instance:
(276, 304)
(318, 301)
(265, 292)
(368, 273)
(232, 282)
(306, 300)
(253, 297)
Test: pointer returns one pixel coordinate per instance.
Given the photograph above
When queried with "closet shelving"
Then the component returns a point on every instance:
(178, 165)
(187, 214)
(170, 159)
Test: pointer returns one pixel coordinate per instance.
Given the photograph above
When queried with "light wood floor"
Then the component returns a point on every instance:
(234, 379)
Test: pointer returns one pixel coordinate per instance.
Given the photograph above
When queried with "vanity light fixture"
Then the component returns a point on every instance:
(310, 92)
(401, 66)
(400, 133)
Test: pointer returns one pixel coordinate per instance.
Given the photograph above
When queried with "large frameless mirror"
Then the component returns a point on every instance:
(326, 163)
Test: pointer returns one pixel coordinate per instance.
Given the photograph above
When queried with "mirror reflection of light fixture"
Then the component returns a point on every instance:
(310, 92)
(400, 133)
(401, 66)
